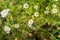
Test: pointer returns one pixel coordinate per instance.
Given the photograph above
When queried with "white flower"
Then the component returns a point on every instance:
(36, 7)
(36, 14)
(46, 12)
(54, 6)
(4, 13)
(16, 25)
(30, 22)
(25, 6)
(54, 10)
(7, 29)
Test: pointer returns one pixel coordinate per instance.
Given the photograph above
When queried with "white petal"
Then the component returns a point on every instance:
(7, 29)
(16, 25)
(36, 7)
(25, 6)
(46, 12)
(54, 10)
(30, 21)
(36, 14)
(54, 6)
(4, 13)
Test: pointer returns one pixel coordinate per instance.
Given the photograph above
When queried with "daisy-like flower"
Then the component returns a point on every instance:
(16, 25)
(30, 22)
(25, 6)
(36, 7)
(36, 14)
(54, 10)
(54, 6)
(46, 12)
(7, 29)
(4, 13)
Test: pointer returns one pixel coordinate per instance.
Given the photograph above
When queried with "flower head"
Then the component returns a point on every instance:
(46, 12)
(7, 29)
(30, 21)
(54, 10)
(16, 25)
(4, 13)
(25, 6)
(36, 7)
(36, 14)
(54, 6)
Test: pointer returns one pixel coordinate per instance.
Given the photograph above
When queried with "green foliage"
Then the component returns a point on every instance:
(47, 25)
